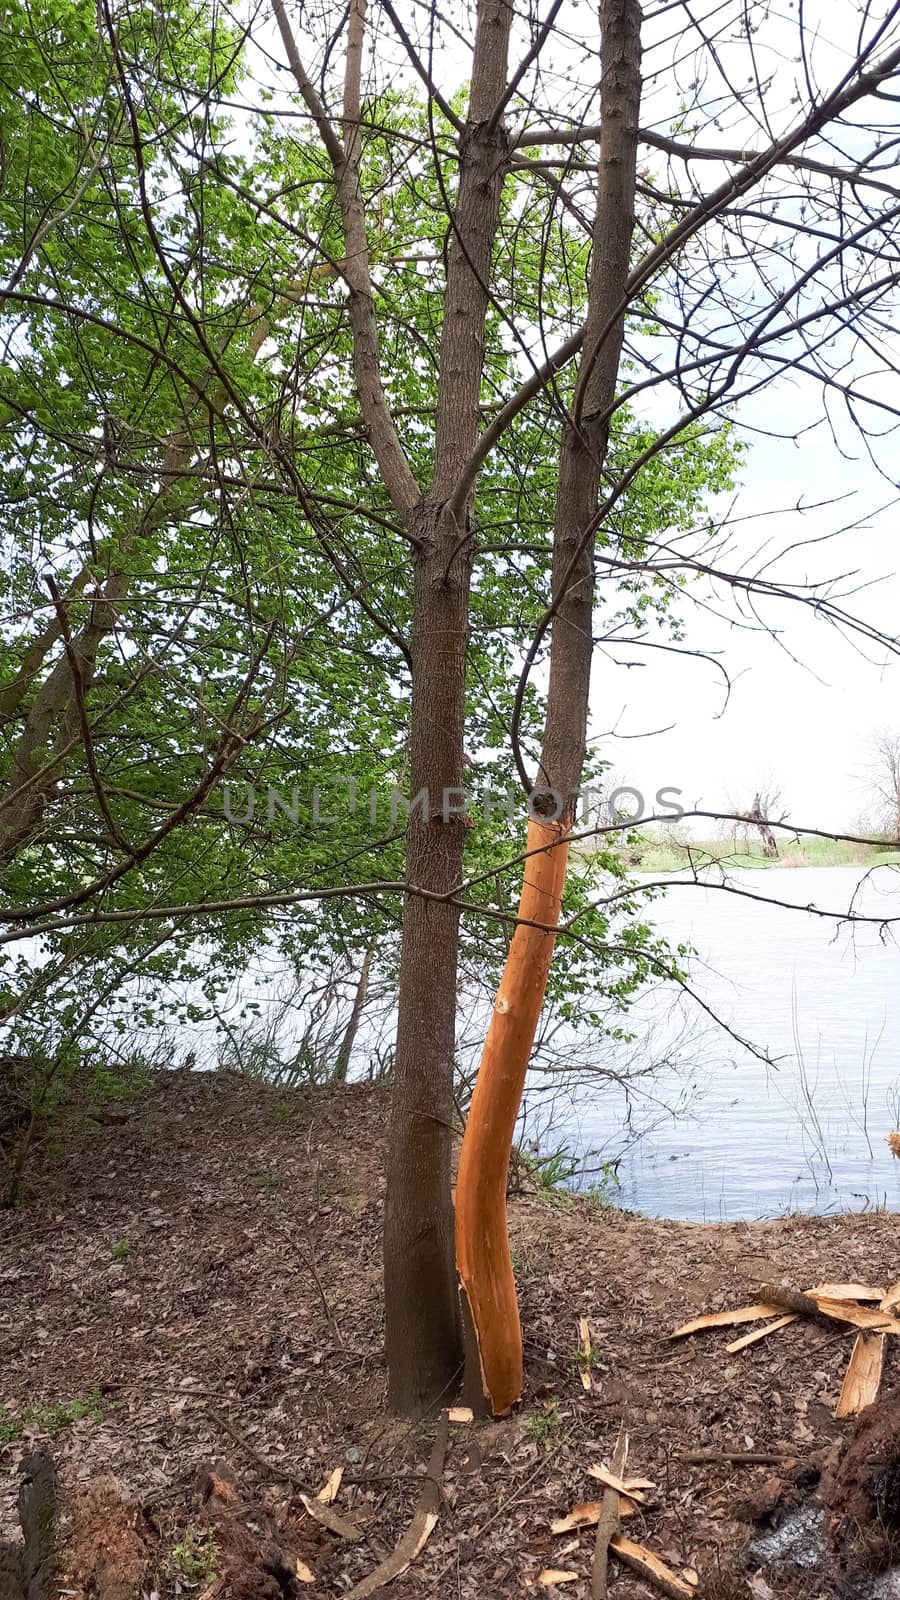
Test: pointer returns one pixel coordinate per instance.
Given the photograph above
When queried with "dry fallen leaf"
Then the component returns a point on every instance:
(303, 1573)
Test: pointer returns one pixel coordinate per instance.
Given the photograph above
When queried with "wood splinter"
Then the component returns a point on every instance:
(862, 1379)
(651, 1569)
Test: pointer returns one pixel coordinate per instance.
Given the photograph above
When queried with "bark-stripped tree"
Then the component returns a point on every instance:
(510, 340)
(482, 1248)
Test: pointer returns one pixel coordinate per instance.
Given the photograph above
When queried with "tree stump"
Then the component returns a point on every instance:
(862, 1490)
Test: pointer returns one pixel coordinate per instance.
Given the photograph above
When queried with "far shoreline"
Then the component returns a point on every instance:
(675, 853)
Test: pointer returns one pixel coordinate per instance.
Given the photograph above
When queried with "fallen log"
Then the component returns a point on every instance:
(27, 1572)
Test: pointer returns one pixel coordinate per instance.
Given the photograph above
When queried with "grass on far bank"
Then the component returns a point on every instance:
(675, 852)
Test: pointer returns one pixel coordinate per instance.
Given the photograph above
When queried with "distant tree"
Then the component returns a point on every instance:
(883, 781)
(767, 801)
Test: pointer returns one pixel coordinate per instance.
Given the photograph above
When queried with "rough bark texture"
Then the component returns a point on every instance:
(421, 1309)
(482, 1245)
(27, 1572)
(861, 1491)
(586, 434)
(422, 1326)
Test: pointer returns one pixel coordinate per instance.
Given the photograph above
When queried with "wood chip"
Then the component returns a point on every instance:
(461, 1414)
(630, 1488)
(584, 1334)
(650, 1568)
(302, 1572)
(327, 1495)
(554, 1575)
(322, 1512)
(747, 1339)
(863, 1376)
(726, 1319)
(892, 1299)
(691, 1576)
(587, 1514)
(846, 1291)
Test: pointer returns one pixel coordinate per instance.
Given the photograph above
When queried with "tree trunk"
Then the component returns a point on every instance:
(422, 1325)
(422, 1320)
(482, 1244)
(342, 1064)
(482, 1247)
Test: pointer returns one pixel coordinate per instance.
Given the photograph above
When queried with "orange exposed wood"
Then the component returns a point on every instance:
(482, 1245)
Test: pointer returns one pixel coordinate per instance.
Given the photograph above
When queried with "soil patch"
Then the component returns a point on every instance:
(203, 1282)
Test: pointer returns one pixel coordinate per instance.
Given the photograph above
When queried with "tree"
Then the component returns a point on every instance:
(179, 432)
(375, 342)
(884, 781)
(766, 802)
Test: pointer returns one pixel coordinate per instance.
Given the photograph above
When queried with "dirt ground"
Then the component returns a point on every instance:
(202, 1282)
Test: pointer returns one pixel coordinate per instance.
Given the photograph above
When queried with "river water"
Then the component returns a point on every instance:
(822, 999)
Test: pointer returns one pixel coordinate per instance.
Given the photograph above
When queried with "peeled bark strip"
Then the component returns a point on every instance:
(726, 1319)
(847, 1291)
(482, 1246)
(649, 1567)
(748, 1339)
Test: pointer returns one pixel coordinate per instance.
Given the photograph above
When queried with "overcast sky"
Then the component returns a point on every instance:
(805, 703)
